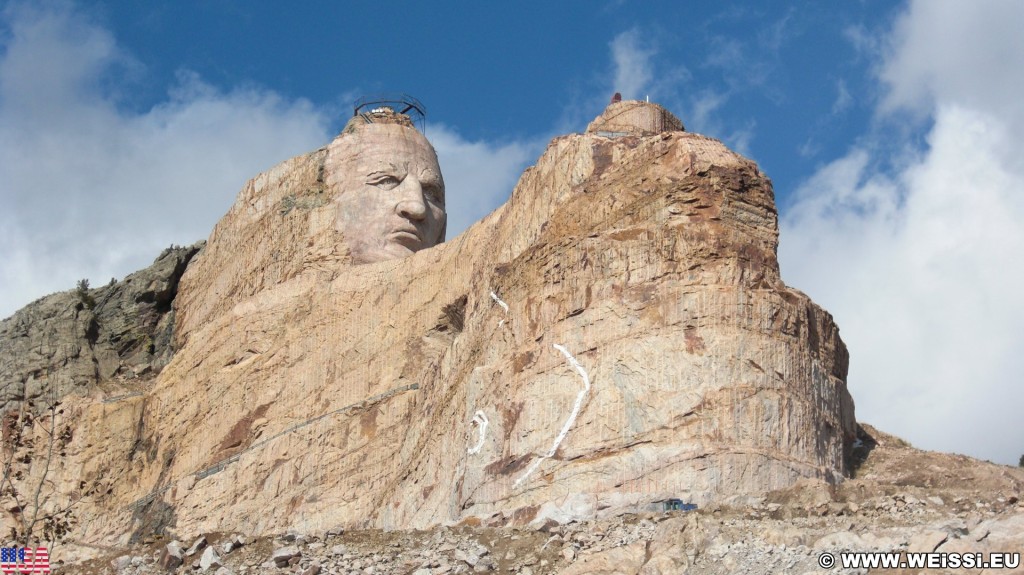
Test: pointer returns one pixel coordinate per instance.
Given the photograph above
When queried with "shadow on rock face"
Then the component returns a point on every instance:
(862, 448)
(150, 519)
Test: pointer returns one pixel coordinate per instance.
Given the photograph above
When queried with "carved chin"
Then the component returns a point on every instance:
(388, 250)
(400, 249)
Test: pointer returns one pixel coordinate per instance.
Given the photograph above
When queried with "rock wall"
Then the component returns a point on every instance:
(615, 335)
(91, 341)
(901, 500)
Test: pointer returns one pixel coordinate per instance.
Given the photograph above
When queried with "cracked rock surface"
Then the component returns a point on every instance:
(306, 393)
(100, 342)
(967, 506)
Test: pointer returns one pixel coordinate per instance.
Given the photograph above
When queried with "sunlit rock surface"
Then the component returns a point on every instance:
(307, 393)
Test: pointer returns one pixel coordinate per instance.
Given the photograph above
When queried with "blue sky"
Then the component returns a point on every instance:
(783, 81)
(891, 131)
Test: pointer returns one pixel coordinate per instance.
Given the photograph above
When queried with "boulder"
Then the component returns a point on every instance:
(283, 555)
(210, 559)
(172, 556)
(198, 545)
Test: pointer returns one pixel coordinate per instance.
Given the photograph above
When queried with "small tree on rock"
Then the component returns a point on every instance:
(82, 290)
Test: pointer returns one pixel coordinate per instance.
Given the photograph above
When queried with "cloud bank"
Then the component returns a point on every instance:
(916, 247)
(478, 176)
(92, 189)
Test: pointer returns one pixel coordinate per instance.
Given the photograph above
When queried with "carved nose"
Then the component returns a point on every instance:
(411, 204)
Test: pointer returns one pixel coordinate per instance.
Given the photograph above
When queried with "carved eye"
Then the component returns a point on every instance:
(385, 182)
(434, 193)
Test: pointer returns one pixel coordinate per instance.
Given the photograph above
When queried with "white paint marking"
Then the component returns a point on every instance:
(481, 421)
(503, 305)
(568, 422)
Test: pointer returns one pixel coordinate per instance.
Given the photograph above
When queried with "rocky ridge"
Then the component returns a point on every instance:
(101, 342)
(614, 336)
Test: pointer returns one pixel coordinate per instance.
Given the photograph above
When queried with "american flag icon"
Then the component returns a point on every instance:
(24, 560)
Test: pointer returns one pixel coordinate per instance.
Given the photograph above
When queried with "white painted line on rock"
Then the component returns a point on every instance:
(503, 305)
(481, 421)
(568, 422)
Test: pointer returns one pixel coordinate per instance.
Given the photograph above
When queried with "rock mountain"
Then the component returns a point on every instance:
(615, 336)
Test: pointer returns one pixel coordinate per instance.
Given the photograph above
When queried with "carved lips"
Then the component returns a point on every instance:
(407, 236)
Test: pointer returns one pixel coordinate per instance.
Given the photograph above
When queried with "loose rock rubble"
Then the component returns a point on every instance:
(962, 505)
(754, 539)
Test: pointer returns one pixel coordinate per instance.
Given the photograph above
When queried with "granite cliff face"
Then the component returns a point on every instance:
(899, 500)
(617, 334)
(113, 338)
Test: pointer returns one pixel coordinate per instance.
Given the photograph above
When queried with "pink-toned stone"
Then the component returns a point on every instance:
(388, 190)
(308, 393)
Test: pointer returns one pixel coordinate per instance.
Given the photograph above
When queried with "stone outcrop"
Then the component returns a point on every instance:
(97, 342)
(616, 335)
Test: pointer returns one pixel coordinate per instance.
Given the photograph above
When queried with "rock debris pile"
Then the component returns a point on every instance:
(972, 507)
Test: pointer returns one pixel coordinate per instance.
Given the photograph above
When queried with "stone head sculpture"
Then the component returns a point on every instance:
(388, 188)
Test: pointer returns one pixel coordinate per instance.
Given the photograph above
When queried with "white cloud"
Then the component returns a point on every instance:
(633, 67)
(92, 190)
(919, 264)
(705, 105)
(969, 53)
(740, 138)
(773, 36)
(843, 99)
(478, 176)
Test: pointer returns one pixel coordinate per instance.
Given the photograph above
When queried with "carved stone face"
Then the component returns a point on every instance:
(390, 194)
